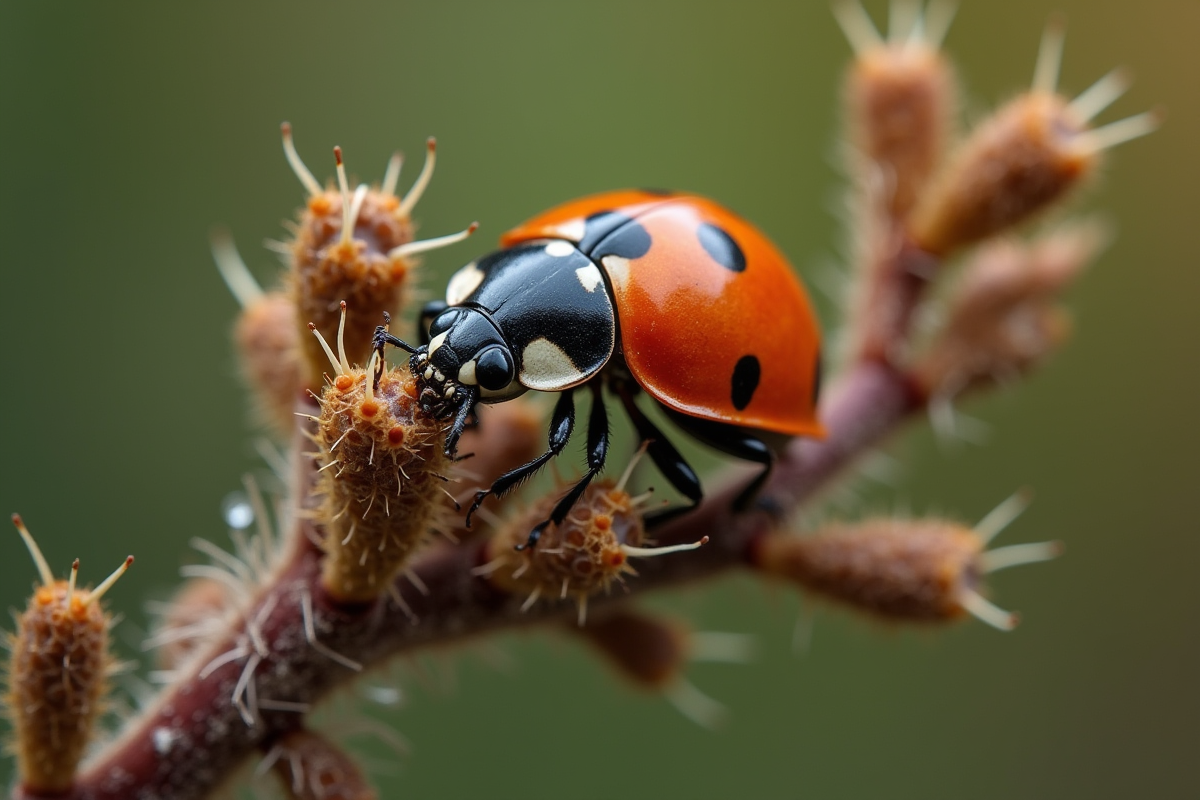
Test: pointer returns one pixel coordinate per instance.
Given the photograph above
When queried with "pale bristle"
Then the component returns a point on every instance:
(302, 172)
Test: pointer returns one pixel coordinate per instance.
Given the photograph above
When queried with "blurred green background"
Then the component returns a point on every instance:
(128, 131)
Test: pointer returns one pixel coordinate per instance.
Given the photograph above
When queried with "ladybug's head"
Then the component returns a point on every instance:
(467, 360)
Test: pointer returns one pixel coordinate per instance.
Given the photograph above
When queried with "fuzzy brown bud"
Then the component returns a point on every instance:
(57, 675)
(1004, 316)
(914, 570)
(382, 475)
(900, 96)
(266, 339)
(1024, 158)
(354, 247)
(649, 651)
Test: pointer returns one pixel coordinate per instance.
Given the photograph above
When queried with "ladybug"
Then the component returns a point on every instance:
(630, 291)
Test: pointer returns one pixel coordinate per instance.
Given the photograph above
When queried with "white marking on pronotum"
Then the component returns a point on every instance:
(572, 230)
(546, 367)
(463, 282)
(618, 268)
(466, 373)
(559, 248)
(589, 277)
(437, 341)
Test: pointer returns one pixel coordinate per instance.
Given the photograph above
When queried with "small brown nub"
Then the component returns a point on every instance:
(649, 651)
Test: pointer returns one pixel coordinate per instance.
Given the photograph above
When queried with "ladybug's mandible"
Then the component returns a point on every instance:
(665, 293)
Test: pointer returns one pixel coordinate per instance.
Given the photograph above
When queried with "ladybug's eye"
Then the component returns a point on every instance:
(493, 369)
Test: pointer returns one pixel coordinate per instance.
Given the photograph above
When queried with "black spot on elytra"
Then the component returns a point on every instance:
(598, 226)
(721, 246)
(746, 374)
(631, 241)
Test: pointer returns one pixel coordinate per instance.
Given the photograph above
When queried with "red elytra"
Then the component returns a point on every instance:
(687, 321)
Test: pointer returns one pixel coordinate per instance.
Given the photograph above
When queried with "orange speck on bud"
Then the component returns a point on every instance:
(320, 205)
(343, 383)
(369, 408)
(396, 436)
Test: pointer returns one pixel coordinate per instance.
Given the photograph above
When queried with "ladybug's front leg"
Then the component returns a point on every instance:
(597, 453)
(561, 425)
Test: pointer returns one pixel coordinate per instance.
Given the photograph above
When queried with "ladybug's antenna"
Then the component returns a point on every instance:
(418, 188)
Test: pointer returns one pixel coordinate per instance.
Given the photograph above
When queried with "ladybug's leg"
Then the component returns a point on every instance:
(664, 455)
(597, 452)
(462, 417)
(738, 442)
(561, 425)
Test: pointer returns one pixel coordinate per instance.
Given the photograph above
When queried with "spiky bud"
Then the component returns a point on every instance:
(310, 767)
(357, 247)
(913, 570)
(1004, 315)
(900, 96)
(1023, 159)
(579, 558)
(265, 335)
(57, 675)
(382, 475)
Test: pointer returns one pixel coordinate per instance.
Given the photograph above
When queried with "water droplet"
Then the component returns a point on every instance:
(237, 511)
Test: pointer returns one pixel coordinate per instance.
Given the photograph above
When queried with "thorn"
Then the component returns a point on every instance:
(1050, 51)
(233, 269)
(1017, 554)
(392, 175)
(422, 182)
(39, 560)
(1003, 515)
(72, 580)
(343, 362)
(289, 149)
(1128, 129)
(1100, 95)
(103, 588)
(852, 18)
(337, 367)
(412, 248)
(983, 610)
(646, 552)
